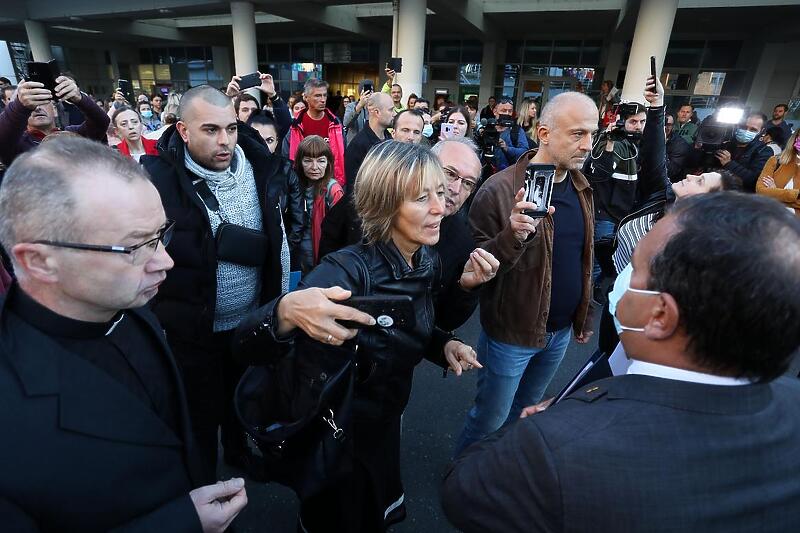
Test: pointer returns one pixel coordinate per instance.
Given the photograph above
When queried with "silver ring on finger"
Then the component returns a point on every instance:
(329, 338)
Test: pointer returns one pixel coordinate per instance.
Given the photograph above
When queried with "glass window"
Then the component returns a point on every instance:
(161, 56)
(470, 74)
(261, 51)
(590, 55)
(303, 52)
(177, 55)
(279, 52)
(538, 52)
(195, 53)
(683, 54)
(514, 51)
(721, 54)
(163, 73)
(510, 75)
(359, 52)
(709, 83)
(145, 56)
(146, 71)
(567, 52)
(471, 52)
(179, 72)
(445, 51)
(676, 81)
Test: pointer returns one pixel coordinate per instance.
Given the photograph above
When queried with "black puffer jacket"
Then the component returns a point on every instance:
(186, 301)
(387, 357)
(285, 185)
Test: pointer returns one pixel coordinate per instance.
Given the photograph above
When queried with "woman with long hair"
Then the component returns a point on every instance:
(459, 120)
(527, 116)
(780, 178)
(313, 165)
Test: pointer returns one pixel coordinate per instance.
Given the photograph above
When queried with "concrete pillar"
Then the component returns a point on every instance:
(651, 38)
(763, 75)
(411, 43)
(37, 37)
(245, 52)
(488, 69)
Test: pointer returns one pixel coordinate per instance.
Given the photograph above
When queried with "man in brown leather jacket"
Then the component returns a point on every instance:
(543, 287)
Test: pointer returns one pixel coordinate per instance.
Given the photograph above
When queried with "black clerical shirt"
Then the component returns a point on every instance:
(125, 348)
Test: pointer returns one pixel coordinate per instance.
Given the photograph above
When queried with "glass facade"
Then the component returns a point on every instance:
(175, 68)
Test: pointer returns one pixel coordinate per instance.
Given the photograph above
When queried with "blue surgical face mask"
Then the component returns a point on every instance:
(147, 114)
(621, 286)
(427, 130)
(744, 136)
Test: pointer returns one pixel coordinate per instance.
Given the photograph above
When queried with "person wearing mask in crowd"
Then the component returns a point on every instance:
(607, 102)
(284, 184)
(460, 124)
(379, 113)
(488, 111)
(685, 128)
(427, 126)
(713, 378)
(129, 129)
(462, 168)
(280, 111)
(422, 105)
(780, 178)
(399, 195)
(775, 138)
(749, 154)
(412, 101)
(314, 168)
(542, 291)
(513, 141)
(394, 90)
(317, 120)
(211, 170)
(356, 115)
(150, 120)
(680, 154)
(30, 117)
(407, 126)
(86, 374)
(779, 119)
(526, 119)
(612, 169)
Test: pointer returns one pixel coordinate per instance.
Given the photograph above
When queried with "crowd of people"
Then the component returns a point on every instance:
(187, 278)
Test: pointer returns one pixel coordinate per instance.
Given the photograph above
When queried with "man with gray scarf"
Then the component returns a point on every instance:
(230, 254)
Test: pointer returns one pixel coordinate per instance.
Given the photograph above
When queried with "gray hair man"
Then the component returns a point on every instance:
(86, 373)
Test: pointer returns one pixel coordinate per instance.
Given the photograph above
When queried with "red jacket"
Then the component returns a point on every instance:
(149, 147)
(335, 141)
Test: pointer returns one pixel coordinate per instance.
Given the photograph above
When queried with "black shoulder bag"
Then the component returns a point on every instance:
(234, 243)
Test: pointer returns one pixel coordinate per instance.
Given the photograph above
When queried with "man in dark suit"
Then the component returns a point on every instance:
(701, 434)
(96, 430)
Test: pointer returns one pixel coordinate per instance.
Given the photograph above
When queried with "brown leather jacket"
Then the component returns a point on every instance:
(515, 305)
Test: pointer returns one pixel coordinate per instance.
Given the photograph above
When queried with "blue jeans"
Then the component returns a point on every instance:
(512, 378)
(602, 228)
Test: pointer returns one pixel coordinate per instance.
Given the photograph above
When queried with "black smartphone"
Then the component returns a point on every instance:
(126, 89)
(369, 87)
(395, 64)
(388, 311)
(44, 73)
(653, 66)
(250, 80)
(539, 188)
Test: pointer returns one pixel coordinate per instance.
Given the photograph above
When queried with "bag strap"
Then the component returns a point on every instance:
(202, 188)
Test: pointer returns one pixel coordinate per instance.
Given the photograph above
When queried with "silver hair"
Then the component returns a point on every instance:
(374, 99)
(314, 83)
(466, 141)
(37, 194)
(207, 93)
(554, 106)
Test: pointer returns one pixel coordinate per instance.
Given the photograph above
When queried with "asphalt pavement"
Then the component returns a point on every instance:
(431, 424)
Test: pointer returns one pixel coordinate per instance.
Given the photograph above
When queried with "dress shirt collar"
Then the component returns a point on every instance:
(678, 374)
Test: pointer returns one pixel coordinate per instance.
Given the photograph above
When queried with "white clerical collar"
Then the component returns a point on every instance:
(678, 374)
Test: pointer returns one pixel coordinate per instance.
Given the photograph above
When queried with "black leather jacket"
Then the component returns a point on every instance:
(386, 357)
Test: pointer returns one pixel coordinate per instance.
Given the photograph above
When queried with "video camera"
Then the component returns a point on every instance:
(623, 111)
(716, 133)
(487, 136)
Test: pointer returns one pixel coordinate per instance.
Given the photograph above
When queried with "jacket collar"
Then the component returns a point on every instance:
(298, 120)
(687, 396)
(400, 268)
(579, 181)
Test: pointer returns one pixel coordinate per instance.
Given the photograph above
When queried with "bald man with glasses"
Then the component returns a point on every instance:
(96, 427)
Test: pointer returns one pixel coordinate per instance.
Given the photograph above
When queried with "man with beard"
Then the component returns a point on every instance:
(541, 293)
(30, 117)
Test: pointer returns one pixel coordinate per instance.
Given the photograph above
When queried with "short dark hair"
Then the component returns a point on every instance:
(737, 318)
(505, 100)
(244, 97)
(262, 118)
(686, 104)
(121, 110)
(777, 135)
(423, 101)
(414, 112)
(636, 108)
(784, 106)
(758, 114)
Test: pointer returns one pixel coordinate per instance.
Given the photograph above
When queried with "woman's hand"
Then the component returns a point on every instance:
(480, 268)
(538, 408)
(460, 357)
(768, 182)
(316, 312)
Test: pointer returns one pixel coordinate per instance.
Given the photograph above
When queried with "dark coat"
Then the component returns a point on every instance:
(356, 151)
(186, 301)
(285, 185)
(79, 452)
(680, 157)
(638, 453)
(747, 162)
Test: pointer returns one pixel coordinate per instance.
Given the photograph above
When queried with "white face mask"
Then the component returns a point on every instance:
(621, 286)
(427, 130)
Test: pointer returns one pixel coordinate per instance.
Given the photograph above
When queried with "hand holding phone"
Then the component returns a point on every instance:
(447, 130)
(248, 81)
(539, 188)
(388, 311)
(44, 73)
(395, 64)
(32, 94)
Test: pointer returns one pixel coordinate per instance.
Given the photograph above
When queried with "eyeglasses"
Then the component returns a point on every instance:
(452, 176)
(139, 253)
